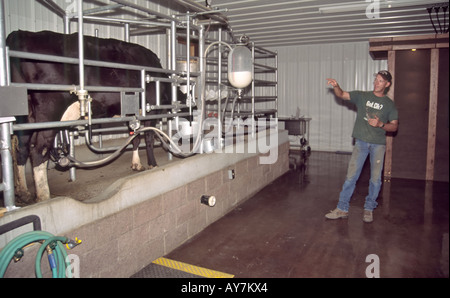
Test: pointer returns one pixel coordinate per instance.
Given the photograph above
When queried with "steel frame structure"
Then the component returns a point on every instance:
(170, 23)
(192, 22)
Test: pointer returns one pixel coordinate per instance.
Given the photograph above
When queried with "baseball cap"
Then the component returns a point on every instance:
(386, 75)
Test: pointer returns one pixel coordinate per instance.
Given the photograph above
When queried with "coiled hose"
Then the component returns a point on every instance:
(57, 254)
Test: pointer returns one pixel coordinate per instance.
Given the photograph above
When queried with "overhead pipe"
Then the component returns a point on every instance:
(127, 21)
(191, 5)
(102, 9)
(149, 11)
(55, 7)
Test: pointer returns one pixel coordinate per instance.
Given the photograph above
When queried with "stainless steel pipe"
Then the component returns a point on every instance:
(7, 185)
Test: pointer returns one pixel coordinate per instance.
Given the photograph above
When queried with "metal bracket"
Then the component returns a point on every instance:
(129, 104)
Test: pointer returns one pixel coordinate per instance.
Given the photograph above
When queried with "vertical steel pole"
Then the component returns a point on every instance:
(81, 43)
(143, 94)
(219, 92)
(72, 170)
(82, 93)
(188, 61)
(3, 70)
(66, 22)
(253, 92)
(126, 32)
(276, 86)
(7, 166)
(201, 48)
(7, 185)
(173, 65)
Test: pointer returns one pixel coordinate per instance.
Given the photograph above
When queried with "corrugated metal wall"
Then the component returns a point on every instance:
(303, 71)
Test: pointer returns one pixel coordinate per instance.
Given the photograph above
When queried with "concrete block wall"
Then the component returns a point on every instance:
(123, 243)
(139, 223)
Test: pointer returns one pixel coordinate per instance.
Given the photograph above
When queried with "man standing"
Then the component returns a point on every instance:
(376, 115)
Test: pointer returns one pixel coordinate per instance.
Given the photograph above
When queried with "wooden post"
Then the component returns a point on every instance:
(432, 114)
(389, 139)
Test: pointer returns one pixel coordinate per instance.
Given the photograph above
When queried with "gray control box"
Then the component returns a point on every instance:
(13, 101)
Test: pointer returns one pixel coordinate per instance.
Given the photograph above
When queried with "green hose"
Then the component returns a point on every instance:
(14, 249)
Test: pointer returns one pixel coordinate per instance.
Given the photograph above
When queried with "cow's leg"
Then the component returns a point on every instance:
(39, 159)
(149, 142)
(21, 190)
(20, 144)
(41, 182)
(135, 160)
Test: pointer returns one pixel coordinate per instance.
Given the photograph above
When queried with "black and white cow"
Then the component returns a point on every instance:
(47, 106)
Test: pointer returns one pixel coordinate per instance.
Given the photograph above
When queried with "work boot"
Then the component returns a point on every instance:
(336, 213)
(368, 216)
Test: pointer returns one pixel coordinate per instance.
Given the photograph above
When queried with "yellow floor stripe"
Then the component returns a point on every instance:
(191, 268)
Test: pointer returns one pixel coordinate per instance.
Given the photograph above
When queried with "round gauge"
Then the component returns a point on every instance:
(212, 201)
(208, 200)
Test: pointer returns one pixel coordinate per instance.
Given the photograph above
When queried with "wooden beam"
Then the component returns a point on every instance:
(389, 138)
(379, 47)
(432, 114)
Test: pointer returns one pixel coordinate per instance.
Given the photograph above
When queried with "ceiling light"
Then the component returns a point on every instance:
(363, 5)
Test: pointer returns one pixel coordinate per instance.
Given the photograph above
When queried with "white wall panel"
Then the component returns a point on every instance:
(303, 71)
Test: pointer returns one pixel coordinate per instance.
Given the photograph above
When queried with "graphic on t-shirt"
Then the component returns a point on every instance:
(372, 109)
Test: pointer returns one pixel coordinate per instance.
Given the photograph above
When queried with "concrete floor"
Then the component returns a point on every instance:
(282, 232)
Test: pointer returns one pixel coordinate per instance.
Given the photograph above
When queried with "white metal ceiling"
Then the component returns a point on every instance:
(298, 22)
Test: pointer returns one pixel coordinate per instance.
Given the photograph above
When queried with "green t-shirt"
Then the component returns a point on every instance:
(368, 105)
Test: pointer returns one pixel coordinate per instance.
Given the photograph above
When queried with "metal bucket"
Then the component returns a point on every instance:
(181, 66)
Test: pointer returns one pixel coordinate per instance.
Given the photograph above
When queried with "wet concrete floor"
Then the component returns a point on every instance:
(282, 233)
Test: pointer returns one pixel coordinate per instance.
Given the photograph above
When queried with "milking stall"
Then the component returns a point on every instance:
(151, 139)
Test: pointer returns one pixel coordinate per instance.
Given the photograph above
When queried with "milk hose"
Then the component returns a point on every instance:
(227, 128)
(57, 254)
(161, 135)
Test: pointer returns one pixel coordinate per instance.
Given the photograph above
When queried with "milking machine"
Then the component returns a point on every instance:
(240, 73)
(239, 76)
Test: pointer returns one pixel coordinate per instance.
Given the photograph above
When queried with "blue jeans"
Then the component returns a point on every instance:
(359, 155)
